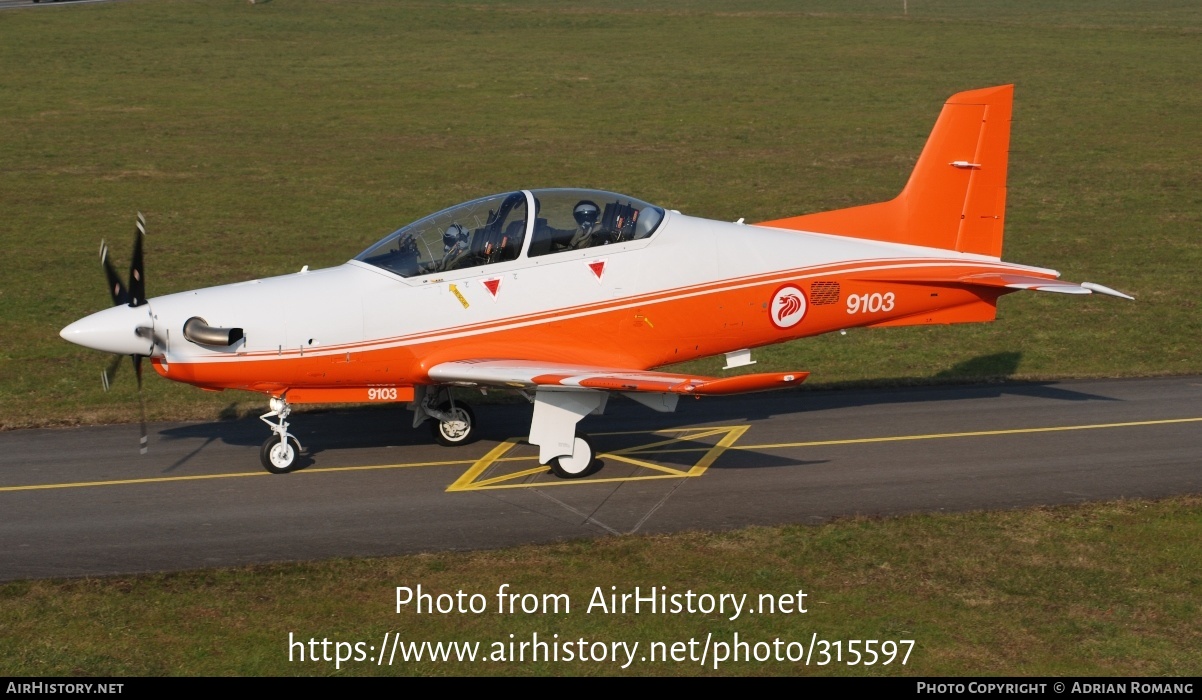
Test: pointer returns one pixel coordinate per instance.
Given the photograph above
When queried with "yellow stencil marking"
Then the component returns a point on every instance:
(458, 295)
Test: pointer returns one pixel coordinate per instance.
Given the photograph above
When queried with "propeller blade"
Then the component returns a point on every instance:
(134, 295)
(143, 442)
(106, 377)
(116, 289)
(137, 273)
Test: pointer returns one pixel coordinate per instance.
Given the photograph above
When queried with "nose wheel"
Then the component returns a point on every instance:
(279, 457)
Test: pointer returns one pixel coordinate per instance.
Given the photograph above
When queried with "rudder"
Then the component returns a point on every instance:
(956, 195)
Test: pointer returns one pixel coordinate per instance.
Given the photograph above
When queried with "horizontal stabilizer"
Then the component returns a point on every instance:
(1040, 284)
(526, 374)
(1037, 284)
(1106, 290)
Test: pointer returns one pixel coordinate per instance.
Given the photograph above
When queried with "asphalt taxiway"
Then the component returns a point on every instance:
(83, 502)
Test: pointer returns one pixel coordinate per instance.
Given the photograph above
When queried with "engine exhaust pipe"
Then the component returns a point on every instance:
(197, 330)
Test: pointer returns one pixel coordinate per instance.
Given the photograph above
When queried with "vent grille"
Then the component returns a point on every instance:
(822, 293)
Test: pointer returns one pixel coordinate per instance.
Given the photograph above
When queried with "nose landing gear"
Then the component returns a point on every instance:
(280, 452)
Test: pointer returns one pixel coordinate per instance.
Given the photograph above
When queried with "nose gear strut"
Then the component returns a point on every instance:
(279, 453)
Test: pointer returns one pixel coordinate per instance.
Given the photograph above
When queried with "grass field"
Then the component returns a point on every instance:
(260, 138)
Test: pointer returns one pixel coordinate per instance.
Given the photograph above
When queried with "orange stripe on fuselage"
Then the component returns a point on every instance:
(686, 323)
(893, 269)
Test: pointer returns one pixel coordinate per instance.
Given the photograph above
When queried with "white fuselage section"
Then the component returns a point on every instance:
(357, 306)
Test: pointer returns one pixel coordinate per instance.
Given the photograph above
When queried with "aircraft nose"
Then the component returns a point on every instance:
(122, 330)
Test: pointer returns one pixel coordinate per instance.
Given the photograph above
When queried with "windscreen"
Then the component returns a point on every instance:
(479, 232)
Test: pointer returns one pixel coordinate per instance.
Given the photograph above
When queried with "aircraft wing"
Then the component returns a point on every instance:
(525, 374)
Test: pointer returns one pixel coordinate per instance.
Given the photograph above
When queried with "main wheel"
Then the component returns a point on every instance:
(577, 464)
(458, 431)
(279, 457)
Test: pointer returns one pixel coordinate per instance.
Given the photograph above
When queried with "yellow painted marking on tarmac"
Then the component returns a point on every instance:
(540, 469)
(471, 478)
(124, 482)
(579, 482)
(696, 436)
(645, 465)
(478, 468)
(980, 433)
(711, 454)
(668, 430)
(497, 455)
(465, 481)
(231, 475)
(716, 451)
(372, 467)
(934, 436)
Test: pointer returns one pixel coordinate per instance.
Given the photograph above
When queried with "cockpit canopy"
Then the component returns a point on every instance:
(495, 229)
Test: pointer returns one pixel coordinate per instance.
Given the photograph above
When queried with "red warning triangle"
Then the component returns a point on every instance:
(492, 285)
(598, 267)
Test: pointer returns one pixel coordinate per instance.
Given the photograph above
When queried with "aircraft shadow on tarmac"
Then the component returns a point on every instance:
(390, 426)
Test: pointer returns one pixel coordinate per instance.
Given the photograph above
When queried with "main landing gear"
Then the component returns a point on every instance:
(456, 424)
(567, 452)
(454, 421)
(580, 463)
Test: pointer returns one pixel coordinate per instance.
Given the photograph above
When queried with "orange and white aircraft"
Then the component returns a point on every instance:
(569, 295)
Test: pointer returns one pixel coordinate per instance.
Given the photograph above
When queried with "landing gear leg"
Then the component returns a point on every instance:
(454, 421)
(568, 452)
(279, 453)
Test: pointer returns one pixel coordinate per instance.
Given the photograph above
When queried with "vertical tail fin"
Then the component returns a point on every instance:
(956, 196)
